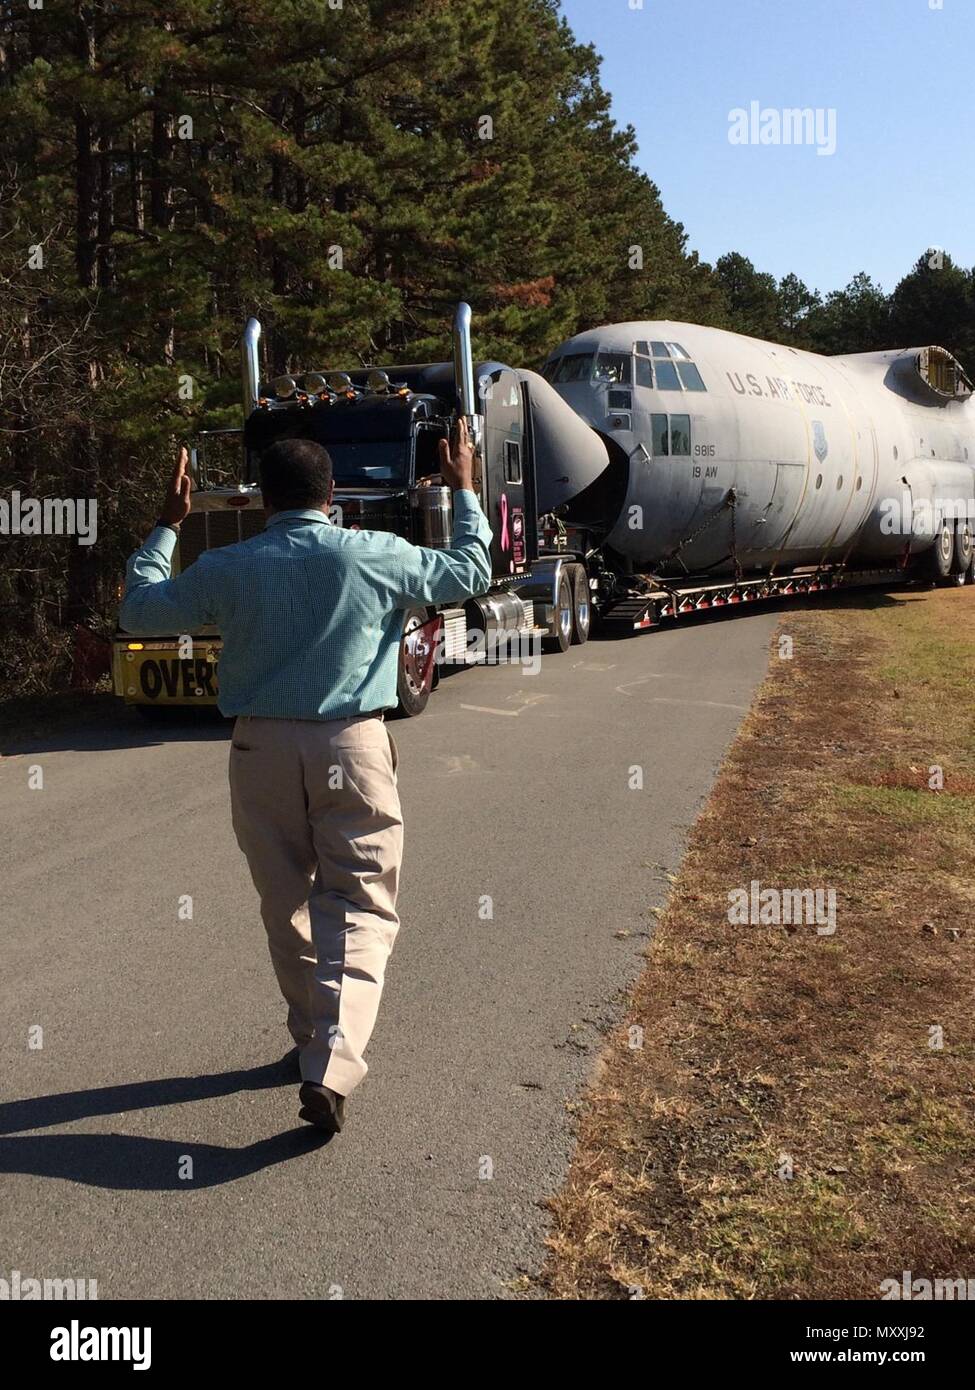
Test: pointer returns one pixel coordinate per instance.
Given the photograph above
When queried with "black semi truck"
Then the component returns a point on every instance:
(382, 429)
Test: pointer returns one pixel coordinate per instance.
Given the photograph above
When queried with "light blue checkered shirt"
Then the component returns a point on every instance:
(310, 615)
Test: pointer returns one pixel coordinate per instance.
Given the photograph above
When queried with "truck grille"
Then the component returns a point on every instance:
(210, 530)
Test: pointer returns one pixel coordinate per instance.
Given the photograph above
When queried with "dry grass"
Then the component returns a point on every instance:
(787, 1130)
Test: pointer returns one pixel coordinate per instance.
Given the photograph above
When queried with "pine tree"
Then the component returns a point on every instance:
(935, 304)
(751, 297)
(855, 319)
(796, 303)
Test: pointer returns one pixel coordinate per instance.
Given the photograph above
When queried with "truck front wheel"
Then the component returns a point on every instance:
(416, 667)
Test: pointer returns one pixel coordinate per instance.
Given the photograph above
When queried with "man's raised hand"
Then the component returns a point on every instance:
(457, 457)
(176, 499)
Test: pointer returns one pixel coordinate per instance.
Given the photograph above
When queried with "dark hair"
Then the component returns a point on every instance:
(295, 474)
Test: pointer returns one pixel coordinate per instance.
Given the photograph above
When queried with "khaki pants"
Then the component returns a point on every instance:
(316, 812)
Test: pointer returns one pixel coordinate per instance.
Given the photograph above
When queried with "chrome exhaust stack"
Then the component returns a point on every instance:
(250, 367)
(464, 370)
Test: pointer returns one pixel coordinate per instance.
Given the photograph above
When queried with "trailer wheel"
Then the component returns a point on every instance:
(964, 548)
(560, 639)
(412, 692)
(581, 605)
(942, 554)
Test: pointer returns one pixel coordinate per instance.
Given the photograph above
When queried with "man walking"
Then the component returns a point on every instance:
(311, 618)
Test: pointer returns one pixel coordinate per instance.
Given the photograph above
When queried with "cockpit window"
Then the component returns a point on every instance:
(576, 367)
(691, 378)
(666, 366)
(614, 367)
(665, 376)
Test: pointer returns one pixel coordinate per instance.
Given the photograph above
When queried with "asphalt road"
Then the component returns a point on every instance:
(160, 1034)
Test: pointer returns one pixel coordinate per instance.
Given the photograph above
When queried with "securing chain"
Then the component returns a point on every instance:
(730, 500)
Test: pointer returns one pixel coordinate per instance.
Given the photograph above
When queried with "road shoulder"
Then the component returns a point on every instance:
(785, 1111)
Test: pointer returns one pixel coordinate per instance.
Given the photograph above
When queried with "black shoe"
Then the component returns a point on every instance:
(321, 1107)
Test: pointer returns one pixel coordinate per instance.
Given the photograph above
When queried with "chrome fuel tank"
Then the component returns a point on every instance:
(433, 511)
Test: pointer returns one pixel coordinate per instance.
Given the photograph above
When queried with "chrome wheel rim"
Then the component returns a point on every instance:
(946, 543)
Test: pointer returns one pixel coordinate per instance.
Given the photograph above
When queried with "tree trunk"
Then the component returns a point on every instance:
(81, 474)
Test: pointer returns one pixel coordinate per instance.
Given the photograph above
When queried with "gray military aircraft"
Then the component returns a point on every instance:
(866, 457)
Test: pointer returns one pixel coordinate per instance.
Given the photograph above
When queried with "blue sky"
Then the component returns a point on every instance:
(900, 76)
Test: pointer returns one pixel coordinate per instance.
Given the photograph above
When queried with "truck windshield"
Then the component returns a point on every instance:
(366, 462)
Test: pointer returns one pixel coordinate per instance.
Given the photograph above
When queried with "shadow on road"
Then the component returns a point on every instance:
(126, 1162)
(97, 723)
(136, 1162)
